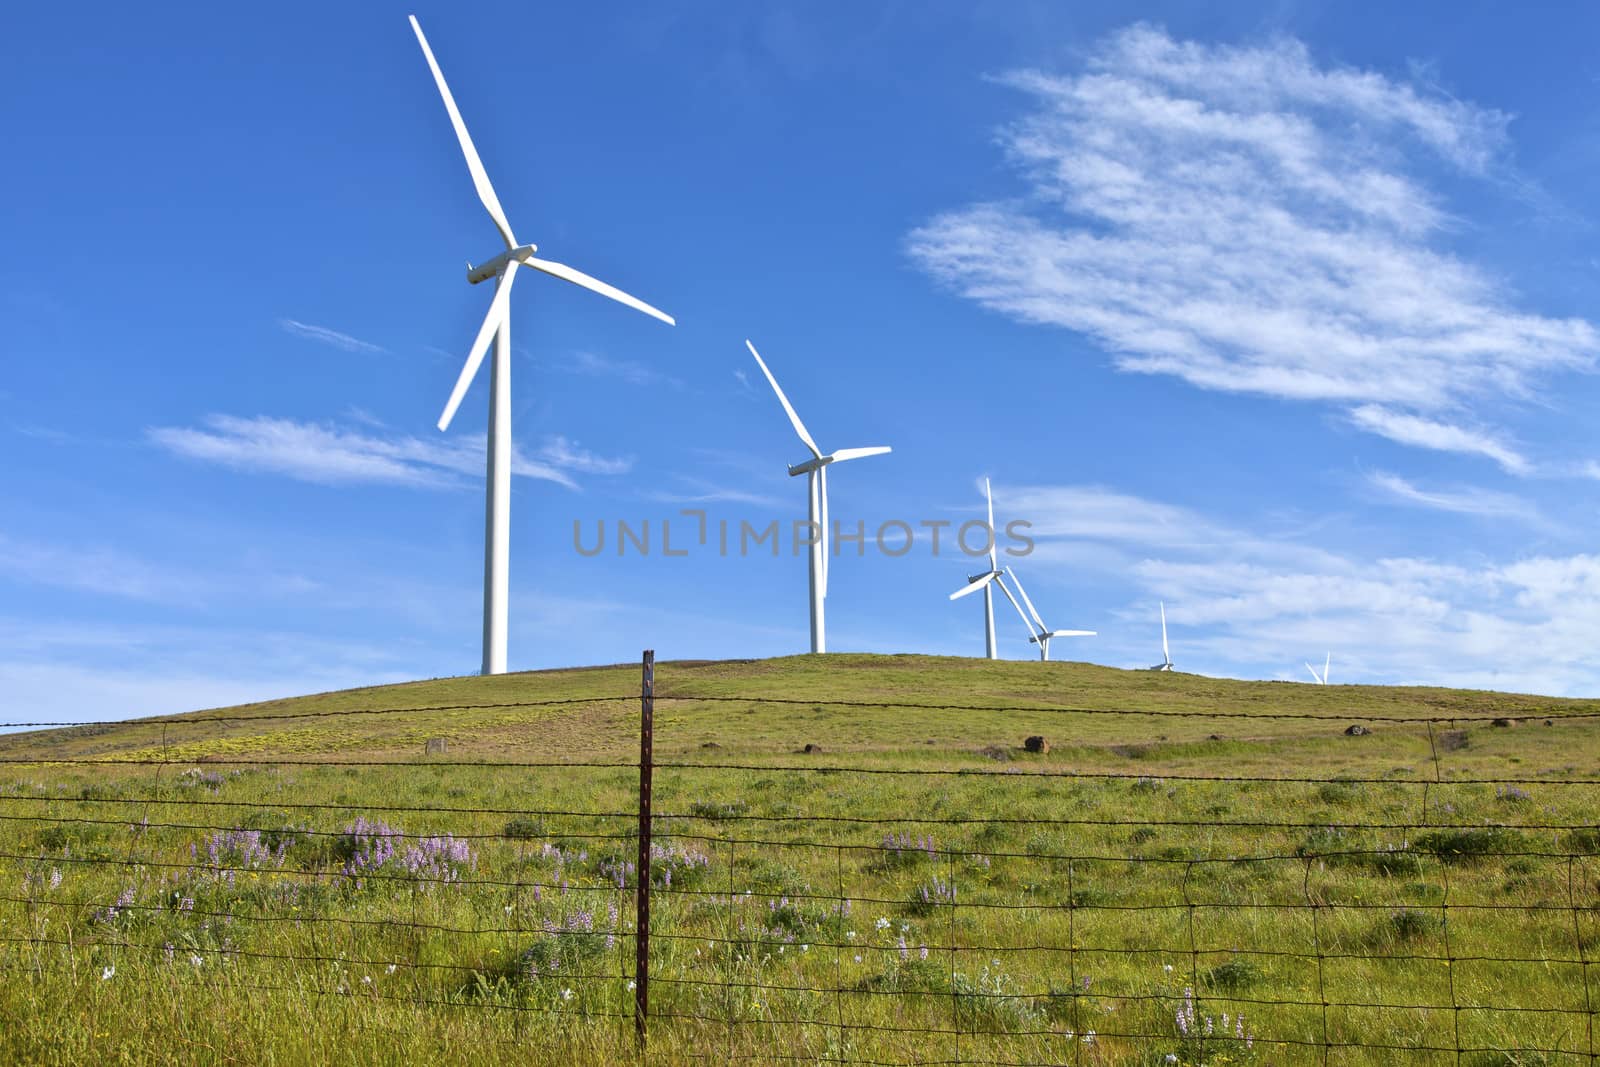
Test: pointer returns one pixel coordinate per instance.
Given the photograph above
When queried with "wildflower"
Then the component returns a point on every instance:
(805, 948)
(882, 923)
(1171, 1057)
(1167, 968)
(55, 878)
(858, 957)
(632, 985)
(1088, 1037)
(366, 979)
(566, 994)
(390, 969)
(108, 972)
(924, 952)
(196, 960)
(850, 935)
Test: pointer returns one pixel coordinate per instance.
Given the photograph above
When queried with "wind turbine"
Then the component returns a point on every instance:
(1322, 679)
(497, 325)
(1044, 634)
(816, 471)
(1166, 655)
(984, 581)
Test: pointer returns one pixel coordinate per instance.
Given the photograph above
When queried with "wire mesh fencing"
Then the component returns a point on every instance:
(1212, 886)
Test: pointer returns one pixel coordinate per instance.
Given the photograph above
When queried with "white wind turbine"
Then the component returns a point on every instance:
(1166, 654)
(1322, 679)
(816, 470)
(497, 325)
(1044, 634)
(986, 581)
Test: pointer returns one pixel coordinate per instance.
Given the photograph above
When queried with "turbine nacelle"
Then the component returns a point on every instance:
(495, 267)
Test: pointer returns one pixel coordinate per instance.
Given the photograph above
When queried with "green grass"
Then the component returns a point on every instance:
(1092, 885)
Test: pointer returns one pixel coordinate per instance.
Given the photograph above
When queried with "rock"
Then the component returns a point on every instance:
(995, 752)
(811, 746)
(1214, 737)
(1504, 723)
(1036, 744)
(710, 744)
(434, 746)
(1547, 722)
(1356, 730)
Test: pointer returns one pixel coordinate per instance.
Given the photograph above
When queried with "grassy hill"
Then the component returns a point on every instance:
(914, 888)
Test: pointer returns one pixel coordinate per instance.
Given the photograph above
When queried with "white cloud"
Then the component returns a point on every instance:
(564, 454)
(329, 337)
(1439, 436)
(1249, 221)
(1472, 501)
(330, 455)
(1239, 602)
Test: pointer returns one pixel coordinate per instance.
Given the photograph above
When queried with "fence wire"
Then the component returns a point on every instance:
(975, 908)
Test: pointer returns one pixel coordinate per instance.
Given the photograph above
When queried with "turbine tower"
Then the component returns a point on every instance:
(1166, 654)
(1044, 634)
(1322, 679)
(985, 581)
(816, 471)
(497, 326)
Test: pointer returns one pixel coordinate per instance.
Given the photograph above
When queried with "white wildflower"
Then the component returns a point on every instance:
(108, 972)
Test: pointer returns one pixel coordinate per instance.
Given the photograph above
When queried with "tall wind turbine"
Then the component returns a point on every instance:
(1166, 654)
(1044, 634)
(985, 581)
(1322, 679)
(816, 471)
(497, 325)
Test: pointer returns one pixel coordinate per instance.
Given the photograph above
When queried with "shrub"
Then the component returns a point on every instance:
(523, 829)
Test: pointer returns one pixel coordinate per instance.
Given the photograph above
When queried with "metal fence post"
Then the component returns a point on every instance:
(641, 970)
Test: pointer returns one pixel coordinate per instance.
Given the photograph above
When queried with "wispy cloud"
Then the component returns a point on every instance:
(702, 491)
(1439, 436)
(98, 569)
(330, 455)
(1237, 600)
(564, 454)
(1485, 503)
(1250, 221)
(329, 337)
(626, 370)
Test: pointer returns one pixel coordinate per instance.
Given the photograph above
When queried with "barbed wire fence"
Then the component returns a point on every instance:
(801, 907)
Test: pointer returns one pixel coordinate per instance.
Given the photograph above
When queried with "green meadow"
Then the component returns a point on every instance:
(1197, 871)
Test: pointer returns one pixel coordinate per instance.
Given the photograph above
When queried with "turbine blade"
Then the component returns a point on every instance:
(799, 427)
(499, 307)
(993, 565)
(973, 586)
(480, 177)
(1072, 633)
(577, 277)
(1026, 625)
(1325, 664)
(1031, 609)
(859, 453)
(1313, 671)
(1166, 653)
(822, 487)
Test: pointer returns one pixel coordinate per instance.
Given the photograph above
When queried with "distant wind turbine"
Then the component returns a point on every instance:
(816, 470)
(1044, 634)
(984, 581)
(497, 325)
(1166, 654)
(1322, 679)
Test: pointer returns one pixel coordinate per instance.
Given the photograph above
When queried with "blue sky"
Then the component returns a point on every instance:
(1285, 315)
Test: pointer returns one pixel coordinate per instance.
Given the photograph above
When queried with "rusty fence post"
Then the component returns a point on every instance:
(641, 968)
